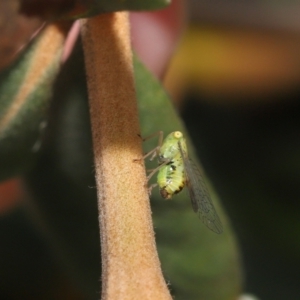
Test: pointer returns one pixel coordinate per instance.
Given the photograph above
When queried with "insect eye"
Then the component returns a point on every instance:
(177, 134)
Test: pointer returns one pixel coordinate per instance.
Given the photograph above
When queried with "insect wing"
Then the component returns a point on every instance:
(201, 201)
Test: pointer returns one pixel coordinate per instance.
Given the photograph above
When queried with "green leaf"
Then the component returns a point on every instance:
(198, 263)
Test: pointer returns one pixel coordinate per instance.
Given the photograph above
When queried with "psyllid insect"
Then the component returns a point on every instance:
(176, 170)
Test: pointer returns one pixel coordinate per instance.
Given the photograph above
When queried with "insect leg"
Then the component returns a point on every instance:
(156, 169)
(158, 133)
(151, 187)
(153, 152)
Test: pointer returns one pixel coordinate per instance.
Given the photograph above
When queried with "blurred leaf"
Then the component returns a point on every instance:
(16, 30)
(198, 263)
(94, 7)
(62, 185)
(47, 10)
(55, 9)
(25, 90)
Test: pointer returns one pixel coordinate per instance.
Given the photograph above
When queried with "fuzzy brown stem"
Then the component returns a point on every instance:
(130, 264)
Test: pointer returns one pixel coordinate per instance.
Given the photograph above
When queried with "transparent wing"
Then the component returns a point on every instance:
(199, 194)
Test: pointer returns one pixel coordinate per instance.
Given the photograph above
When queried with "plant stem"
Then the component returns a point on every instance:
(130, 264)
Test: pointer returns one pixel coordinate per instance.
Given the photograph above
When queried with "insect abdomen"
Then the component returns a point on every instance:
(171, 180)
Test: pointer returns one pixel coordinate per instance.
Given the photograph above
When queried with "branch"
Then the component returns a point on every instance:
(130, 264)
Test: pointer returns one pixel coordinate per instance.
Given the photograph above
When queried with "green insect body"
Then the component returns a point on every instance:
(176, 171)
(171, 179)
(171, 176)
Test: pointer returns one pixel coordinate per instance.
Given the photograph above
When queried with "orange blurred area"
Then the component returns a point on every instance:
(234, 62)
(10, 194)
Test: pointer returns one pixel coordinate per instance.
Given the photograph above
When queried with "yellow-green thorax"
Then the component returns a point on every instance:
(171, 177)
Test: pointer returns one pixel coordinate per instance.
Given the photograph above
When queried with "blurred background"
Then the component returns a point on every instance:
(235, 79)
